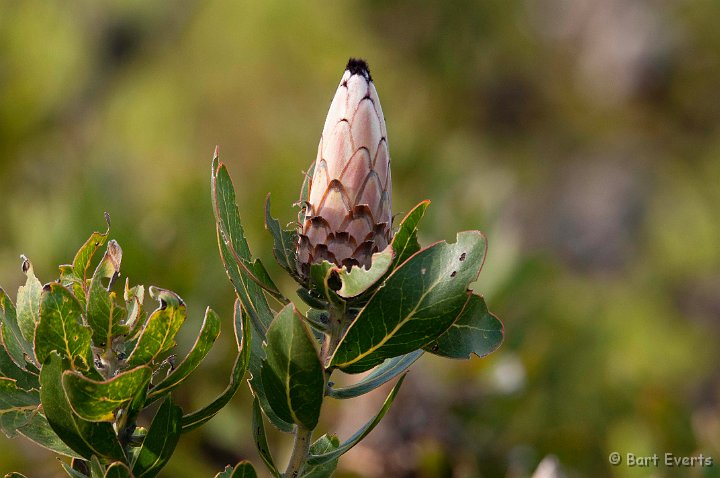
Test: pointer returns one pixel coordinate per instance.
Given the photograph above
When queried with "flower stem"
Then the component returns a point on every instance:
(336, 323)
(301, 450)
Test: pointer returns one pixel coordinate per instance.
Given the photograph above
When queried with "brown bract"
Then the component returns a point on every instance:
(347, 216)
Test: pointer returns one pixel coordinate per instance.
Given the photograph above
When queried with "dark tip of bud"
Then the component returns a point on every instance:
(356, 66)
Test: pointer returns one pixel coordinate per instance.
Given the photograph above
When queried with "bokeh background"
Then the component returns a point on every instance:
(582, 136)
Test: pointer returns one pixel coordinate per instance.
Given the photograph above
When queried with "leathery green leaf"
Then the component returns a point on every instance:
(12, 397)
(234, 249)
(305, 191)
(209, 332)
(284, 242)
(96, 468)
(8, 368)
(325, 282)
(60, 328)
(84, 437)
(28, 302)
(292, 375)
(243, 339)
(160, 441)
(244, 469)
(96, 401)
(158, 333)
(71, 471)
(17, 347)
(382, 374)
(359, 279)
(405, 242)
(256, 360)
(79, 270)
(476, 331)
(319, 459)
(418, 302)
(103, 313)
(324, 444)
(261, 439)
(134, 298)
(33, 425)
(118, 470)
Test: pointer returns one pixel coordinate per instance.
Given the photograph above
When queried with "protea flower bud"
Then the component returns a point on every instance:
(347, 216)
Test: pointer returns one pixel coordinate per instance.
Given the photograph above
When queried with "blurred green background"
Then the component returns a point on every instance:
(582, 136)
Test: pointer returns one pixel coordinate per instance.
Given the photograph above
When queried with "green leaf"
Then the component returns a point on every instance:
(97, 470)
(60, 328)
(160, 441)
(78, 271)
(28, 302)
(305, 189)
(96, 401)
(382, 374)
(257, 358)
(325, 282)
(417, 303)
(134, 298)
(158, 333)
(12, 397)
(318, 320)
(243, 340)
(284, 242)
(232, 245)
(85, 438)
(292, 376)
(324, 444)
(24, 379)
(261, 439)
(359, 279)
(72, 472)
(319, 459)
(15, 474)
(234, 249)
(312, 298)
(476, 331)
(405, 242)
(118, 470)
(17, 347)
(260, 275)
(33, 425)
(209, 332)
(244, 469)
(103, 313)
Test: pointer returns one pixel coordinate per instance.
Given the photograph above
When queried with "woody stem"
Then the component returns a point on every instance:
(301, 450)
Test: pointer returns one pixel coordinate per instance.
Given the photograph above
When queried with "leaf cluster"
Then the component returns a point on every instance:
(79, 363)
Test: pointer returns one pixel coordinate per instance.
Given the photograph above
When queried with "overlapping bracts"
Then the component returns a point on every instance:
(347, 215)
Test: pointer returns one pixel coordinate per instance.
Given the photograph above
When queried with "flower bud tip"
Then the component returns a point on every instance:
(357, 66)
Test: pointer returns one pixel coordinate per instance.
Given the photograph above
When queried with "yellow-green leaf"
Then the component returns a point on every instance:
(96, 401)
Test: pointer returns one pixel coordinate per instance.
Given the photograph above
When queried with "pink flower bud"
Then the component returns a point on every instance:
(348, 214)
